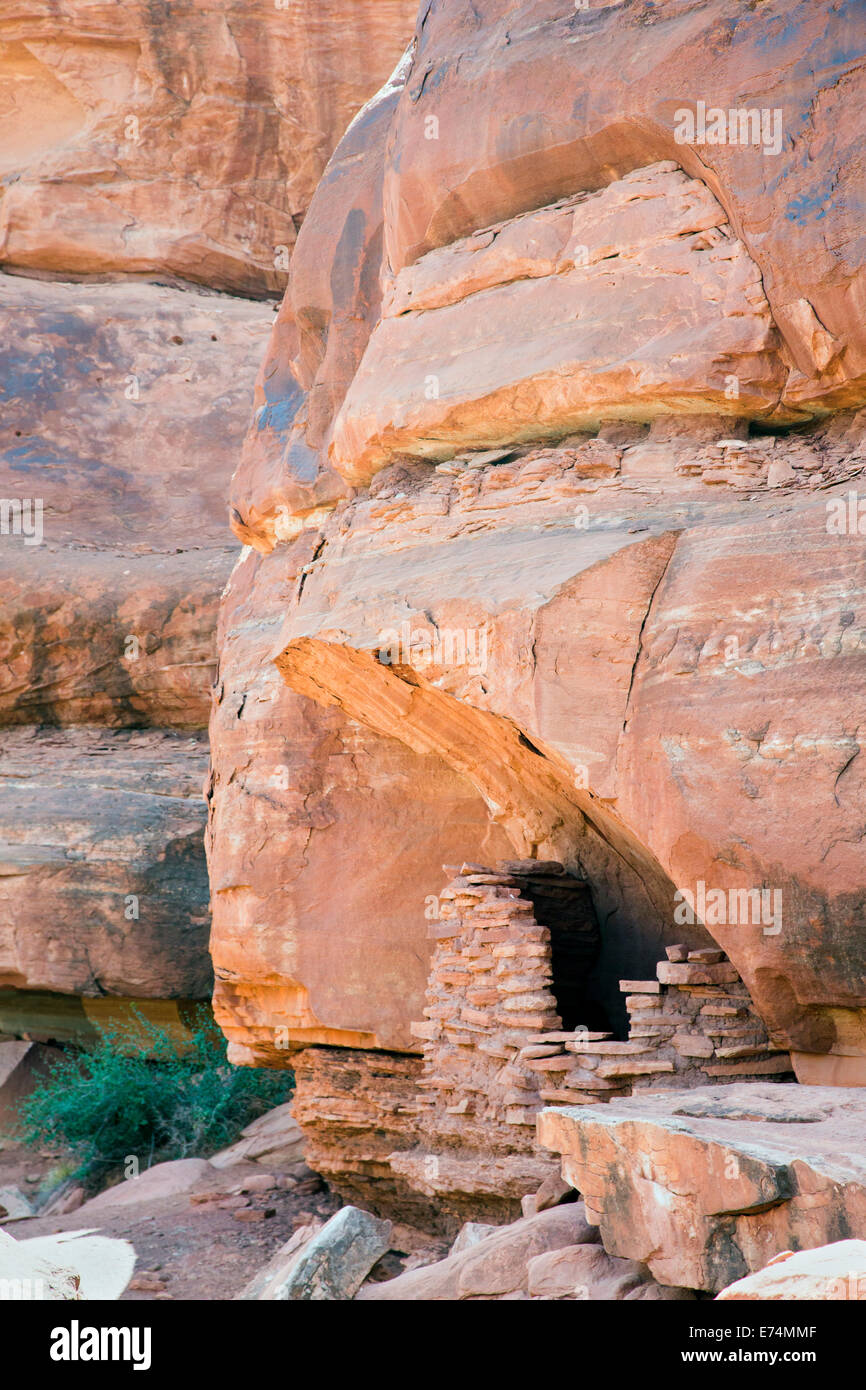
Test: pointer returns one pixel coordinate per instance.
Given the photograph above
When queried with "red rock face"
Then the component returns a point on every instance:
(156, 162)
(747, 768)
(555, 421)
(103, 831)
(312, 815)
(590, 286)
(122, 405)
(474, 178)
(330, 307)
(615, 79)
(157, 139)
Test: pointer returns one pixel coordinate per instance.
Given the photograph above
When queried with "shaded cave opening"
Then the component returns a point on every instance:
(563, 904)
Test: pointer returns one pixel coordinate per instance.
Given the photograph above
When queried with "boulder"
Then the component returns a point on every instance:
(22, 1065)
(587, 1272)
(103, 1264)
(552, 1191)
(470, 1233)
(494, 1267)
(272, 1276)
(333, 1262)
(179, 1175)
(275, 1138)
(14, 1206)
(836, 1271)
(67, 1198)
(706, 1186)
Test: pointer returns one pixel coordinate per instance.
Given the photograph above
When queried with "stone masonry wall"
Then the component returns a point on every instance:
(452, 1136)
(490, 1013)
(494, 1047)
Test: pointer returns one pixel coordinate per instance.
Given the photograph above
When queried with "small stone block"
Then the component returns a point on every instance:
(722, 973)
(609, 1070)
(426, 1031)
(692, 1045)
(677, 953)
(771, 1066)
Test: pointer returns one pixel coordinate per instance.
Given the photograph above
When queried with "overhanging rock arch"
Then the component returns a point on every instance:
(529, 792)
(481, 1160)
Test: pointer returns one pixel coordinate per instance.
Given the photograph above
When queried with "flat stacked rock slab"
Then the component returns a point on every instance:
(357, 1110)
(706, 1187)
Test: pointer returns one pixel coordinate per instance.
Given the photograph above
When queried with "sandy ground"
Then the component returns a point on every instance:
(198, 1252)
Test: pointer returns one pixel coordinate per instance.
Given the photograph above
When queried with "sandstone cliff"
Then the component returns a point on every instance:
(156, 162)
(182, 140)
(547, 498)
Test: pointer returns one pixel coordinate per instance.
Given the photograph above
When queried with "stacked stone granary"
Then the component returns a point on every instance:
(510, 1026)
(492, 1019)
(494, 1042)
(503, 983)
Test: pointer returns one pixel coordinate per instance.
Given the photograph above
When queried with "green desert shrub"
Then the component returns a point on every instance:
(135, 1092)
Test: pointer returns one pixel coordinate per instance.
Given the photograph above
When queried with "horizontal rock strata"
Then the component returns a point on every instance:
(181, 141)
(122, 407)
(47, 1016)
(561, 319)
(355, 1107)
(102, 831)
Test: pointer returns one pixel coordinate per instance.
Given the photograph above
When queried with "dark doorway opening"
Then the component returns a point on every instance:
(564, 905)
